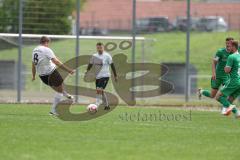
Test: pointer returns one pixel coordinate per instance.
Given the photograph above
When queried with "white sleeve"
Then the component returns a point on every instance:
(91, 60)
(50, 54)
(33, 57)
(110, 59)
(216, 58)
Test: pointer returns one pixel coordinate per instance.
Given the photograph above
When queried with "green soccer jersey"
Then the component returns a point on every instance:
(233, 61)
(221, 56)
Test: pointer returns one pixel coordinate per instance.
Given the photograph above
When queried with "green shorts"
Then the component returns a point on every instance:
(231, 88)
(218, 82)
(235, 94)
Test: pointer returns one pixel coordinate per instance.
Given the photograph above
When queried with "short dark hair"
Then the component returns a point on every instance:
(99, 44)
(235, 43)
(44, 39)
(229, 39)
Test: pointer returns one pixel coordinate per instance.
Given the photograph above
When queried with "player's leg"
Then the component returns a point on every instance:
(56, 82)
(101, 97)
(224, 81)
(99, 90)
(104, 96)
(57, 97)
(231, 98)
(211, 94)
(105, 101)
(222, 97)
(215, 84)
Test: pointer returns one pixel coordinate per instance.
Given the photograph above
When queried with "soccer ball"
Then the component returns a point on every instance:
(92, 108)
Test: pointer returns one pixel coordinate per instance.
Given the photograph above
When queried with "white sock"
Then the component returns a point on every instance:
(237, 113)
(65, 94)
(105, 100)
(98, 99)
(56, 100)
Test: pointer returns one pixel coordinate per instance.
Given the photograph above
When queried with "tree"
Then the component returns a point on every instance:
(39, 16)
(8, 16)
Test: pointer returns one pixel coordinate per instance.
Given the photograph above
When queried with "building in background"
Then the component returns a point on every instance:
(116, 15)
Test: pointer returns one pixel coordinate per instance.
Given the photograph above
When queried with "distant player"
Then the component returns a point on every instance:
(219, 77)
(102, 62)
(44, 62)
(232, 88)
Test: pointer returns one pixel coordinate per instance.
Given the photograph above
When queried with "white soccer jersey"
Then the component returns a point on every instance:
(41, 57)
(101, 63)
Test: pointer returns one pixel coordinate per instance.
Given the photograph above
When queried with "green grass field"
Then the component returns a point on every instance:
(28, 133)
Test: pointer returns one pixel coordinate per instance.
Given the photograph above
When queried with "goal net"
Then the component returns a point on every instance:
(64, 47)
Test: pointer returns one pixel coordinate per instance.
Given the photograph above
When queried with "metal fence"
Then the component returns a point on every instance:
(170, 36)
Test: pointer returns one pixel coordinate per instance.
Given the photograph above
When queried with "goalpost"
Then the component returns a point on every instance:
(87, 45)
(73, 36)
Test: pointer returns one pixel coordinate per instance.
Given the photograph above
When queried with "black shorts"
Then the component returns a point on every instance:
(102, 82)
(54, 79)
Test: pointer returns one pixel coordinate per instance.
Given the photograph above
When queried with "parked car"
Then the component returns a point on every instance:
(212, 24)
(153, 24)
(181, 23)
(93, 31)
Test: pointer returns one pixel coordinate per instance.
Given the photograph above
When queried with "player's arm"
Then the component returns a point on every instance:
(113, 68)
(58, 63)
(33, 71)
(90, 64)
(89, 67)
(227, 69)
(229, 64)
(114, 71)
(50, 54)
(214, 64)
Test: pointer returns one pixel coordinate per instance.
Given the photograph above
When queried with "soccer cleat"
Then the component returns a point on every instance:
(53, 114)
(224, 110)
(237, 115)
(229, 110)
(106, 108)
(68, 96)
(199, 93)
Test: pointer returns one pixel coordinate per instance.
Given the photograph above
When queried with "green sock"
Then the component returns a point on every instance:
(206, 93)
(234, 110)
(223, 100)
